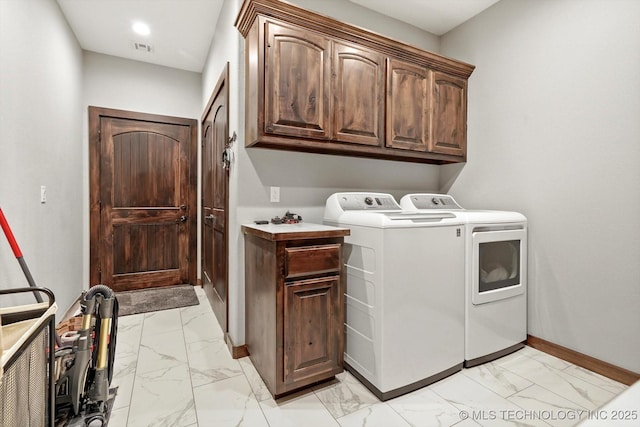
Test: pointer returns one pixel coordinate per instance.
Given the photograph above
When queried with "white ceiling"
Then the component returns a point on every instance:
(182, 30)
(434, 16)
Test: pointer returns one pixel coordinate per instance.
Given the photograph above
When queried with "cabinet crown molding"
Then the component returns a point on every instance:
(289, 13)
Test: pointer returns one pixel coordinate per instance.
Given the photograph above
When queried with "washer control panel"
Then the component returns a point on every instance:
(367, 201)
(433, 201)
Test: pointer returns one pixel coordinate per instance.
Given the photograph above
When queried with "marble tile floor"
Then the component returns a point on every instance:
(173, 369)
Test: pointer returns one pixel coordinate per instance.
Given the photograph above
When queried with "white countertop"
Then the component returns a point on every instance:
(301, 227)
(299, 230)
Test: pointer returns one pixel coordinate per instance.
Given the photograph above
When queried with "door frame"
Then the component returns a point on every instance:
(221, 85)
(95, 116)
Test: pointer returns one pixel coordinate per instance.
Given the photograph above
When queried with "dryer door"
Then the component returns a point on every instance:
(499, 260)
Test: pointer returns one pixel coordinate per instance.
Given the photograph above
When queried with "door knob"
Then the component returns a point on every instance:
(183, 218)
(226, 158)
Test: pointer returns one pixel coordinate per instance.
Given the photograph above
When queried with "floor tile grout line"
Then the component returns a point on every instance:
(590, 374)
(246, 379)
(259, 406)
(369, 407)
(135, 371)
(528, 387)
(579, 406)
(186, 350)
(325, 406)
(569, 365)
(394, 410)
(491, 391)
(464, 370)
(140, 346)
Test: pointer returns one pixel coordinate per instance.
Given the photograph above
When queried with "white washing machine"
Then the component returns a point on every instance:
(404, 296)
(495, 276)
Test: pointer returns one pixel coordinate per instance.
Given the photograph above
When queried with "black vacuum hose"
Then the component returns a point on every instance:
(99, 289)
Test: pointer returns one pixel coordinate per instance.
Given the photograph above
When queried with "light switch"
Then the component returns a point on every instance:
(275, 194)
(43, 194)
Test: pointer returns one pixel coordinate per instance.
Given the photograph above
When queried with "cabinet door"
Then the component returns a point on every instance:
(449, 115)
(358, 89)
(408, 93)
(312, 326)
(297, 82)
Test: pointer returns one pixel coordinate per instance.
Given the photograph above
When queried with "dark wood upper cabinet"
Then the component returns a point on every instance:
(297, 82)
(358, 90)
(450, 115)
(408, 98)
(319, 85)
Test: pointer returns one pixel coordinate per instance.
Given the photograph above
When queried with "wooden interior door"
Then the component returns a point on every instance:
(142, 199)
(215, 201)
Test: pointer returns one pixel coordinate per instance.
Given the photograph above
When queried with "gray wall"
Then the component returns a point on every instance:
(305, 180)
(554, 132)
(362, 17)
(41, 144)
(125, 84)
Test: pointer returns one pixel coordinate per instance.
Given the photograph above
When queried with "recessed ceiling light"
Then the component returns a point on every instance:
(141, 28)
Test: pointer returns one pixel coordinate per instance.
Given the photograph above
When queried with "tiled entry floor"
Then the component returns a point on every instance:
(173, 369)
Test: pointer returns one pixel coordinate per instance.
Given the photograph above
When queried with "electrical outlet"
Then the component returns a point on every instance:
(275, 194)
(43, 194)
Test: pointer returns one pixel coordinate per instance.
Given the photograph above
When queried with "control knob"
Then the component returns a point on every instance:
(368, 200)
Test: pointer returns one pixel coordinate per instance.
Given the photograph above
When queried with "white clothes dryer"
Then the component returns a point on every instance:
(495, 276)
(404, 292)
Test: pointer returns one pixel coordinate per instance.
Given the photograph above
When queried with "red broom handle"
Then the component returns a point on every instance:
(7, 232)
(25, 269)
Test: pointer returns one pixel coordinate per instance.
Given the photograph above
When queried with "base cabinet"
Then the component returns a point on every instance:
(294, 287)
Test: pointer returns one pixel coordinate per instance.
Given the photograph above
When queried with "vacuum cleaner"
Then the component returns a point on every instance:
(84, 368)
(84, 359)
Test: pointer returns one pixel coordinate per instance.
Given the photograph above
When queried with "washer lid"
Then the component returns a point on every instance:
(394, 219)
(419, 216)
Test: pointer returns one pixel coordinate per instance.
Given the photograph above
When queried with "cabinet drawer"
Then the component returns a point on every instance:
(306, 260)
